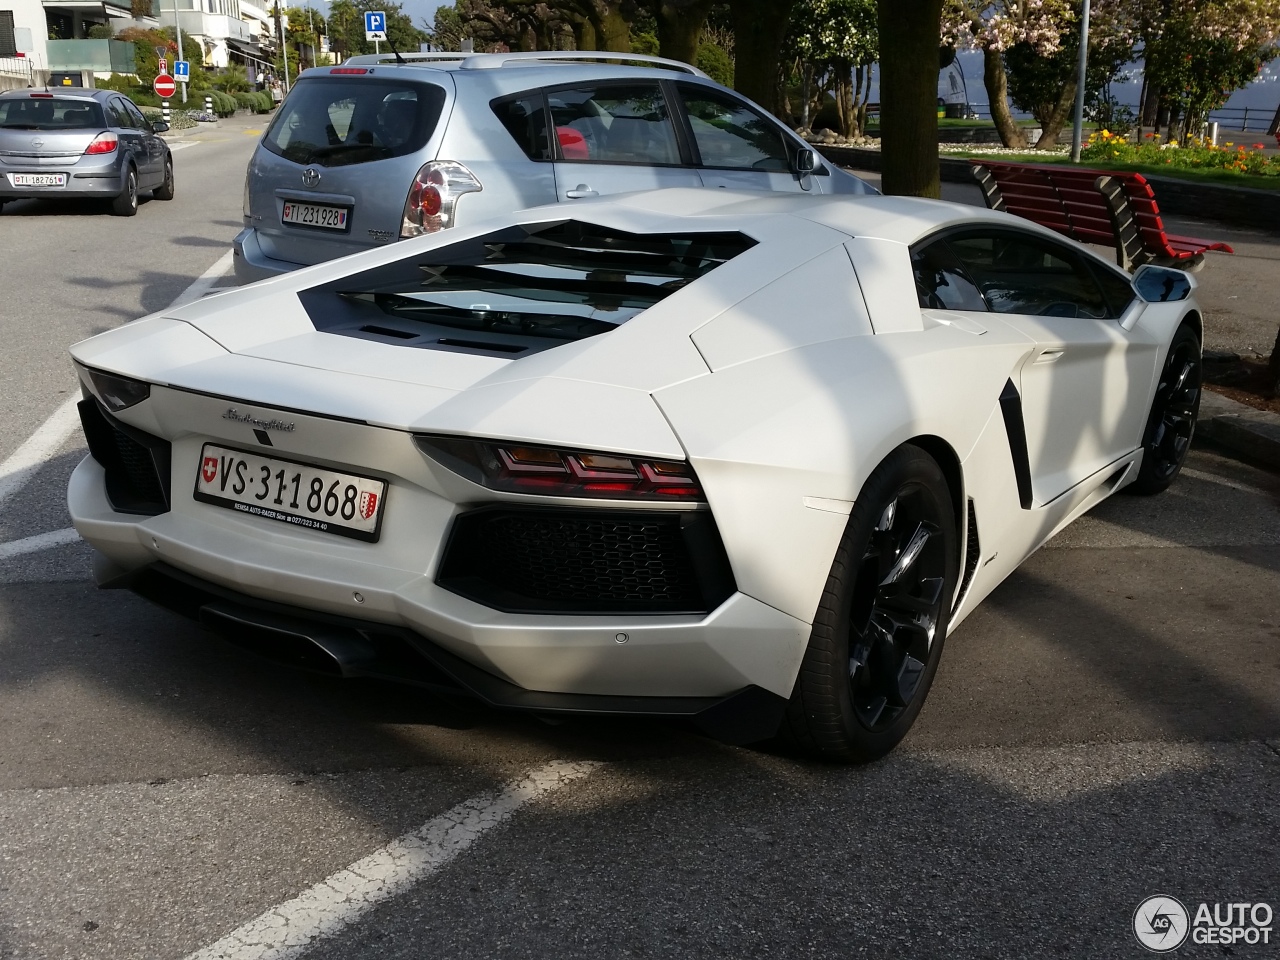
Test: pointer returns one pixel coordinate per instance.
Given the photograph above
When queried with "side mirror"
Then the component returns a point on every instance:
(1155, 284)
(159, 126)
(805, 160)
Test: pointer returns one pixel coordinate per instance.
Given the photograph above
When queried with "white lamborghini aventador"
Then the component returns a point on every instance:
(739, 458)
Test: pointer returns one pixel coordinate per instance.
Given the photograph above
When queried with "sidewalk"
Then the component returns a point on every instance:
(1238, 295)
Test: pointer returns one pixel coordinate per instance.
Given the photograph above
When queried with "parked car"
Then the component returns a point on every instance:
(375, 150)
(693, 453)
(79, 143)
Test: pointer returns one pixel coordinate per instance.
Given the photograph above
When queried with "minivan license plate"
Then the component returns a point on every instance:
(315, 215)
(307, 496)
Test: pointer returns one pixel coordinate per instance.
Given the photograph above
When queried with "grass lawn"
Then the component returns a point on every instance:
(1226, 178)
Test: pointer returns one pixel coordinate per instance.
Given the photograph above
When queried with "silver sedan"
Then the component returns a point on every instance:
(76, 142)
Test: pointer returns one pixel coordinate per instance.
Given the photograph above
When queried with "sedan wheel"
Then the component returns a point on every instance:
(165, 190)
(878, 634)
(1173, 415)
(126, 204)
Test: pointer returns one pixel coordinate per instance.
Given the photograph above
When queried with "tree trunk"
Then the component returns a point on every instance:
(997, 84)
(844, 99)
(909, 32)
(614, 28)
(1151, 106)
(758, 28)
(679, 26)
(1055, 118)
(806, 84)
(855, 111)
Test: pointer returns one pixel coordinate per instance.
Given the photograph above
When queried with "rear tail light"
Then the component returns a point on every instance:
(245, 206)
(556, 472)
(433, 197)
(102, 143)
(350, 71)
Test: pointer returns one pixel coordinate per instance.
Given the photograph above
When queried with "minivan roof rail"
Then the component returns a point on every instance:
(493, 61)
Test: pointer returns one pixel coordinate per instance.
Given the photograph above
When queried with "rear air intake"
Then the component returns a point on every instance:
(587, 561)
(136, 463)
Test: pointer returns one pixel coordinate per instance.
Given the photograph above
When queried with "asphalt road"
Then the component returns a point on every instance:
(1105, 728)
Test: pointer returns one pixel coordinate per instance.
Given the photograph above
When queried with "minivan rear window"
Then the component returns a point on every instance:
(338, 121)
(50, 113)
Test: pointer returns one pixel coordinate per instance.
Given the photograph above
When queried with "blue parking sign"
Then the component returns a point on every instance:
(182, 70)
(375, 25)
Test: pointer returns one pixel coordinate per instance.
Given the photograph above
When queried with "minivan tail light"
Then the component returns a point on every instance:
(102, 143)
(349, 70)
(433, 197)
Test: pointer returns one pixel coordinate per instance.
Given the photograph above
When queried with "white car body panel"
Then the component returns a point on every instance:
(783, 376)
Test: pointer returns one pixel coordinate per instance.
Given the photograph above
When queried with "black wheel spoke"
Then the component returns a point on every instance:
(896, 609)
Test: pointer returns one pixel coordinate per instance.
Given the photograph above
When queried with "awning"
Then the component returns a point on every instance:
(244, 47)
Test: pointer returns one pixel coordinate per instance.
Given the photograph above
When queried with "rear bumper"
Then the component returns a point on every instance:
(80, 184)
(252, 264)
(345, 647)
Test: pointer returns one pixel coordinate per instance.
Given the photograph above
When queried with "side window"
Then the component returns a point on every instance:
(614, 123)
(526, 121)
(1116, 287)
(136, 117)
(941, 283)
(117, 115)
(1020, 273)
(730, 134)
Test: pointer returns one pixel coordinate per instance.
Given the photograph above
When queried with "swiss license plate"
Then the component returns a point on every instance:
(315, 215)
(307, 496)
(38, 179)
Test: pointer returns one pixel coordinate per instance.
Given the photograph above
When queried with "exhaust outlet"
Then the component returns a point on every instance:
(333, 651)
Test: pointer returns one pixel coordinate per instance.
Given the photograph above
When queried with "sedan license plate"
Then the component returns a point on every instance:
(38, 179)
(314, 215)
(290, 492)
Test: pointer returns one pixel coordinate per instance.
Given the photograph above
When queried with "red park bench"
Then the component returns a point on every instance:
(1092, 206)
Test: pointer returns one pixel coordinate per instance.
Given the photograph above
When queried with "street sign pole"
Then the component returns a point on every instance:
(177, 25)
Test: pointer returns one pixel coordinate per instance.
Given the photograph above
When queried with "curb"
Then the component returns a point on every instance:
(1253, 434)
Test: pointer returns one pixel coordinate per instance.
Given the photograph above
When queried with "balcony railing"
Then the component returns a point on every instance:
(100, 56)
(20, 67)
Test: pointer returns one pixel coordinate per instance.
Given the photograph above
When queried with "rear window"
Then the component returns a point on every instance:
(43, 113)
(334, 122)
(519, 290)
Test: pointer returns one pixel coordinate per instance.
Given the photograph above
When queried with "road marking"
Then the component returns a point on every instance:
(40, 446)
(182, 145)
(204, 283)
(41, 541)
(340, 900)
(23, 463)
(252, 133)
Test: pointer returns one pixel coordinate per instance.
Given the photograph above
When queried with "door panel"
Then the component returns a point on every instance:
(1086, 383)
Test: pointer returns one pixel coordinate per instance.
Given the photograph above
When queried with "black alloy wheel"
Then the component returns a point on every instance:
(126, 204)
(165, 190)
(878, 634)
(1172, 421)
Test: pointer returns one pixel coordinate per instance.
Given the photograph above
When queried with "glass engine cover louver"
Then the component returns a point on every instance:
(518, 290)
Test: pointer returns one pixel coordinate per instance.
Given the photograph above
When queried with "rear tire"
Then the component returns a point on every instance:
(126, 204)
(165, 190)
(1172, 421)
(880, 627)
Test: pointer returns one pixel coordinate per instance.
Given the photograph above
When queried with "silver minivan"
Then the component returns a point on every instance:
(377, 150)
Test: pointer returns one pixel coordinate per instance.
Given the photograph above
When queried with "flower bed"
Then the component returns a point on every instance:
(1106, 148)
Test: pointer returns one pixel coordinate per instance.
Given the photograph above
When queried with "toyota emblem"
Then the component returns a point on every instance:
(310, 176)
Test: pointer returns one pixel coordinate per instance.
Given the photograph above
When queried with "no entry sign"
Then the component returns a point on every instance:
(164, 86)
